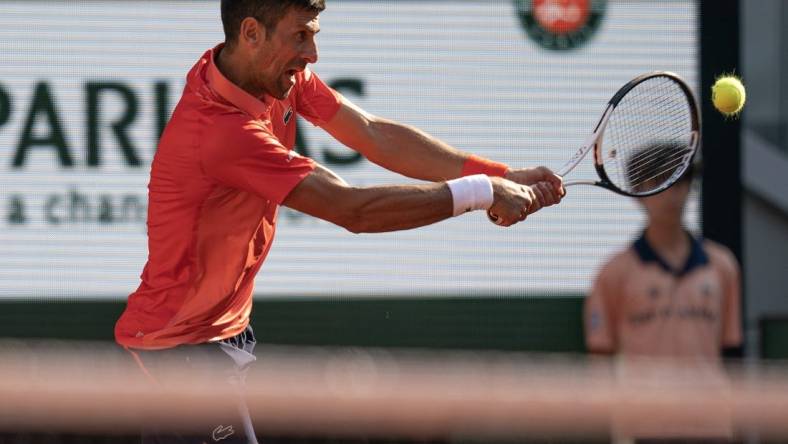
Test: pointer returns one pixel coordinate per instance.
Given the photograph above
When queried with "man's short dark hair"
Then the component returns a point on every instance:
(267, 12)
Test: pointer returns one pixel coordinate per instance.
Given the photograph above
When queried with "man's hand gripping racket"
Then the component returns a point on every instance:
(644, 141)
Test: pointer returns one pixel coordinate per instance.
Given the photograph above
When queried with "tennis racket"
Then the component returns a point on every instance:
(645, 140)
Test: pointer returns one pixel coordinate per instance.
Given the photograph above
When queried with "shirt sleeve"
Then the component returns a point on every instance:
(599, 313)
(242, 154)
(731, 309)
(316, 101)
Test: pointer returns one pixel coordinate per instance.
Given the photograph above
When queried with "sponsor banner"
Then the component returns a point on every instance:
(86, 88)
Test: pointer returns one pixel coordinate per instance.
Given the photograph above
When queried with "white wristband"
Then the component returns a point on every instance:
(471, 193)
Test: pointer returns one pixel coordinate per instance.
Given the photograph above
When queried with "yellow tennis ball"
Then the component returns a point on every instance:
(728, 95)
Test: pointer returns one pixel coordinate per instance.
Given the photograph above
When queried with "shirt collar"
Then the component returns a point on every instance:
(696, 258)
(256, 107)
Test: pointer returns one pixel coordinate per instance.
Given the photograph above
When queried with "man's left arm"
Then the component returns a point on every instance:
(411, 152)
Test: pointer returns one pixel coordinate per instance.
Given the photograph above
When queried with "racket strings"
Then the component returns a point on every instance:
(647, 142)
(670, 167)
(669, 159)
(656, 161)
(646, 156)
(665, 153)
(662, 176)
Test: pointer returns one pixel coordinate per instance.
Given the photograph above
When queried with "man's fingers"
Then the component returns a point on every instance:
(551, 195)
(544, 194)
(497, 220)
(517, 201)
(558, 184)
(539, 199)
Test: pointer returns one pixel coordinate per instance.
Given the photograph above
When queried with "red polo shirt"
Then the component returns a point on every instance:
(224, 165)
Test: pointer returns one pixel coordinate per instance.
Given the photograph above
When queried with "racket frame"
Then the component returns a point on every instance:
(594, 140)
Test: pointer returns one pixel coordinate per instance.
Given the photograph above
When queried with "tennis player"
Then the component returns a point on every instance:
(225, 164)
(669, 295)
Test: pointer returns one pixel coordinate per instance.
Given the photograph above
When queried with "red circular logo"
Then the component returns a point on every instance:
(560, 25)
(561, 16)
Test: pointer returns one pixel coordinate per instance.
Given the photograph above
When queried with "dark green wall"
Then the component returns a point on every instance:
(774, 338)
(513, 323)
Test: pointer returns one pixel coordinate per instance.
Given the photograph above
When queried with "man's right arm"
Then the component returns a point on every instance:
(325, 195)
(242, 154)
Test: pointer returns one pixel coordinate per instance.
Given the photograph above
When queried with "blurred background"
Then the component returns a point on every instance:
(87, 86)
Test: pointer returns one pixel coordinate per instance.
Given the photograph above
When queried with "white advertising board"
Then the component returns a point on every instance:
(86, 85)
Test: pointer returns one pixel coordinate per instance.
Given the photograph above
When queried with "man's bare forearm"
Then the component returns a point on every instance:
(395, 146)
(393, 208)
(370, 209)
(411, 152)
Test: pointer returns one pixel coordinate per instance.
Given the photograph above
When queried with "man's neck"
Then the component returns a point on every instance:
(670, 242)
(230, 65)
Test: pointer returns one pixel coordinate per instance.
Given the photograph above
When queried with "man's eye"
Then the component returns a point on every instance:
(301, 36)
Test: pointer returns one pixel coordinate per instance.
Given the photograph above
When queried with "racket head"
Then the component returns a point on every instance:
(650, 137)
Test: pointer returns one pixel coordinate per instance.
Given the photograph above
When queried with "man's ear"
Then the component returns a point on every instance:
(252, 32)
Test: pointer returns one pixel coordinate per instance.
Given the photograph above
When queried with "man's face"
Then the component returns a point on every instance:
(286, 51)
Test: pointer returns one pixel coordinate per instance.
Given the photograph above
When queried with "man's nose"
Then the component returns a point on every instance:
(310, 52)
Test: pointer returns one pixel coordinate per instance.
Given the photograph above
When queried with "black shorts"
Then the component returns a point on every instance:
(224, 362)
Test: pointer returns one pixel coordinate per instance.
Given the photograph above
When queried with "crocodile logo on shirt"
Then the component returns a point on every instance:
(288, 115)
